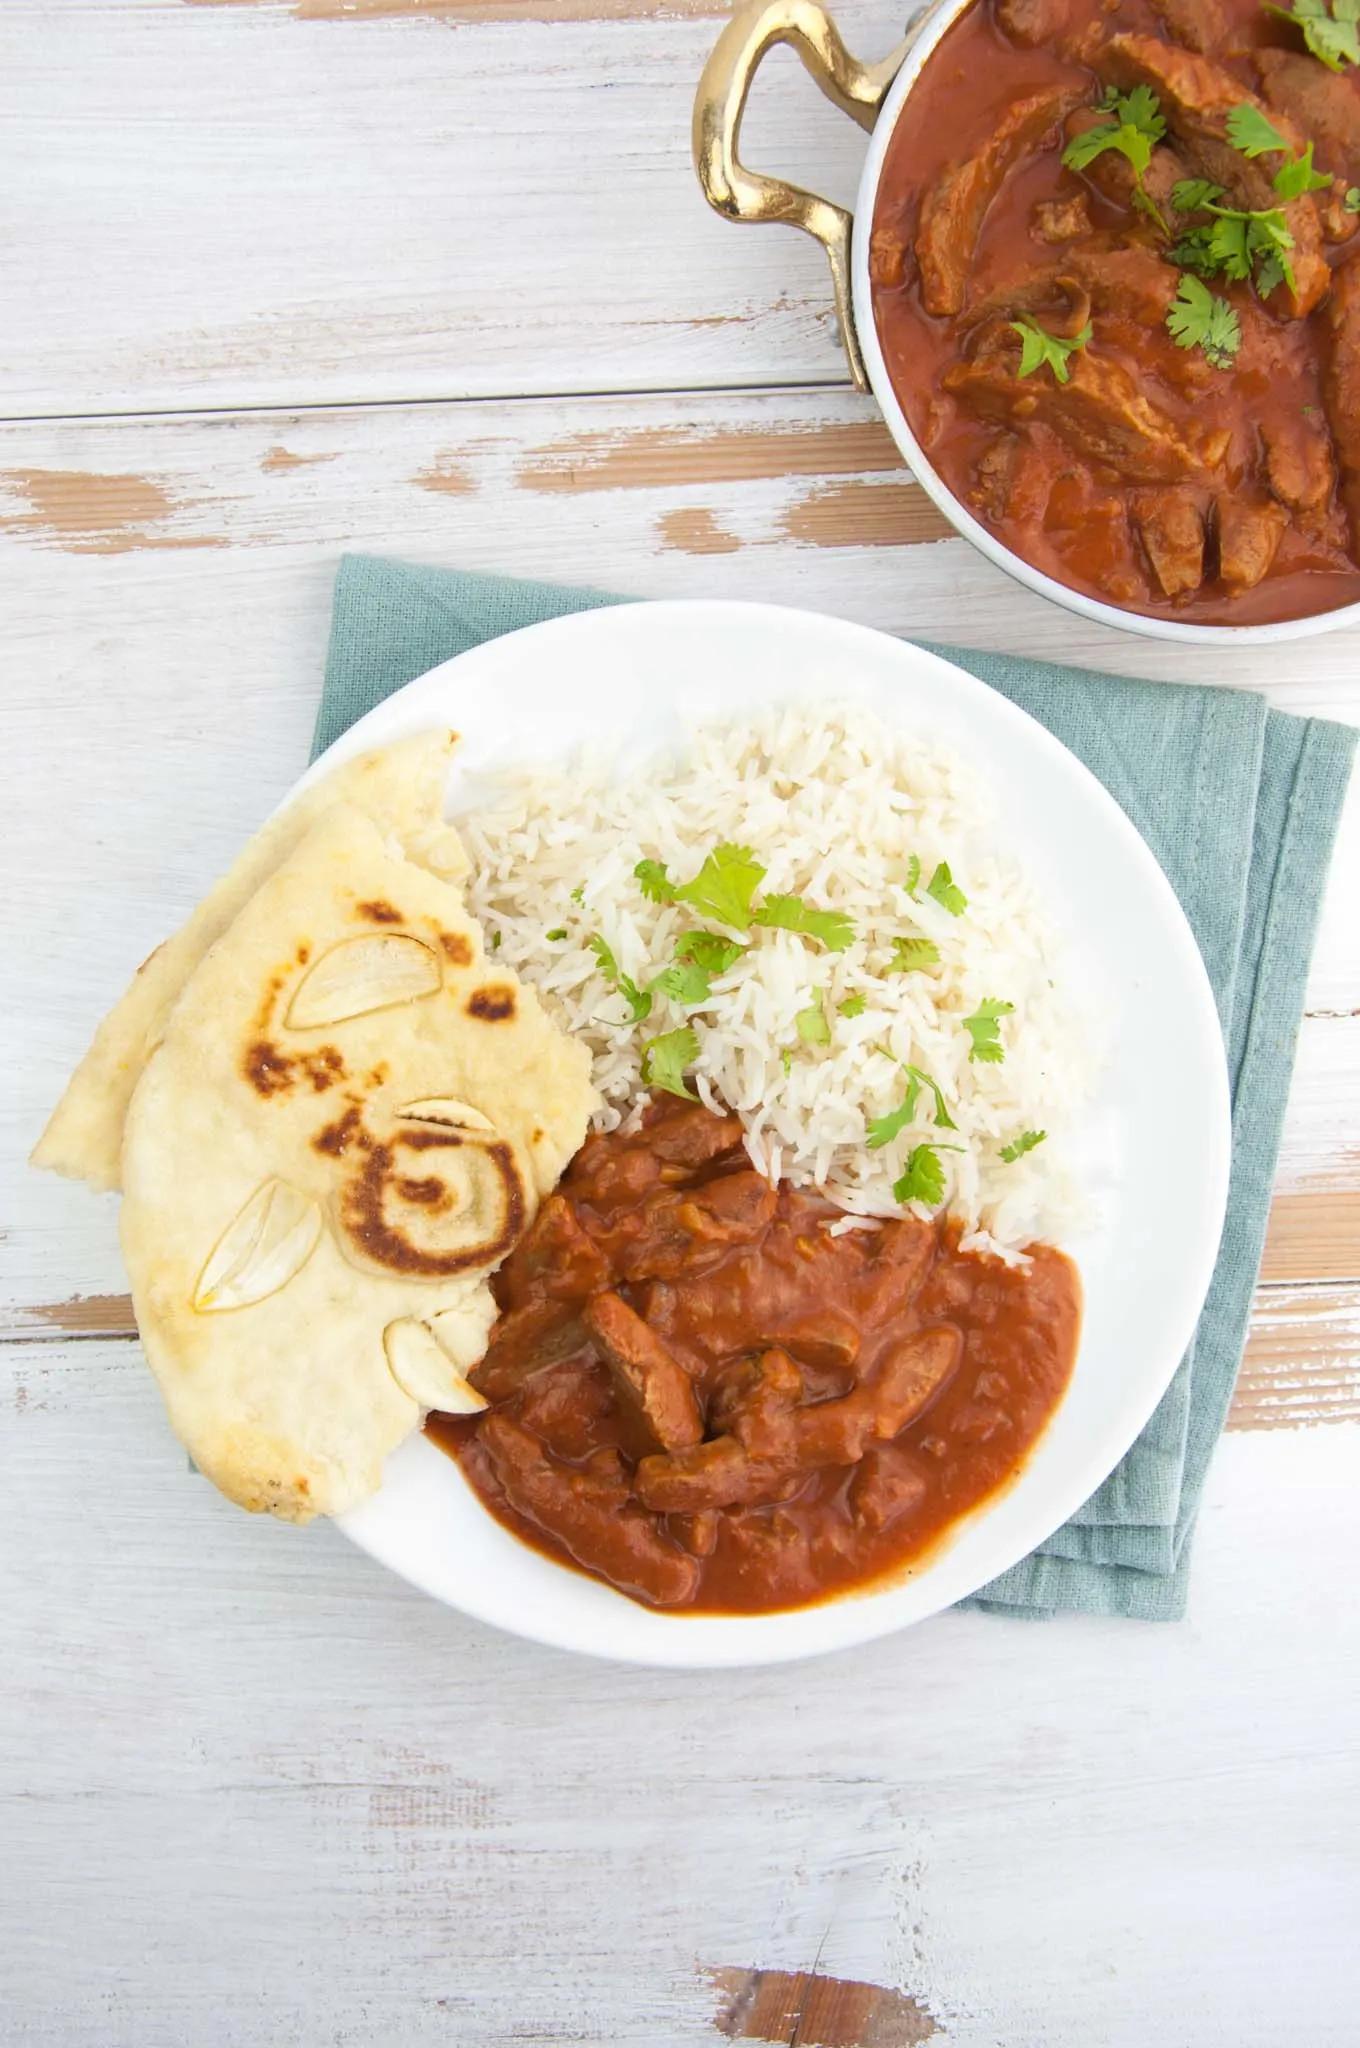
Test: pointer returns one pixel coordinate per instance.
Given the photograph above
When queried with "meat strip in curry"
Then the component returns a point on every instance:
(706, 1393)
(1113, 259)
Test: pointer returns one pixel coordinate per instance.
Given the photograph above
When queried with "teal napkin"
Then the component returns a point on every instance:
(1240, 805)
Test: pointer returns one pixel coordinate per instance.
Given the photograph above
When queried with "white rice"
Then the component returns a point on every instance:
(834, 804)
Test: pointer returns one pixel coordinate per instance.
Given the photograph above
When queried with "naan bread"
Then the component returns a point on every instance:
(401, 788)
(351, 1118)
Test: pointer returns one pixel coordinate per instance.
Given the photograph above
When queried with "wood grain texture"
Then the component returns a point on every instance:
(407, 201)
(162, 698)
(463, 11)
(1302, 1365)
(1302, 1362)
(800, 2009)
(255, 1793)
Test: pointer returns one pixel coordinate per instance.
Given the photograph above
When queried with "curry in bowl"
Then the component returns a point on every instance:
(1115, 274)
(704, 1395)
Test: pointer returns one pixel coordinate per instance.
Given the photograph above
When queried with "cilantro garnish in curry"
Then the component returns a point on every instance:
(1331, 28)
(1116, 270)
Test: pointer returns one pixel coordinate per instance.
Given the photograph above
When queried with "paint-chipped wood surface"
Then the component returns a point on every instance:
(245, 202)
(431, 278)
(256, 1794)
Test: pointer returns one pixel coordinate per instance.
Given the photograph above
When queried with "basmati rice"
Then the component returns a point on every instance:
(834, 805)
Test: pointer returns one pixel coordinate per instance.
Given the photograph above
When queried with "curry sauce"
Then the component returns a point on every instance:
(710, 1393)
(1221, 483)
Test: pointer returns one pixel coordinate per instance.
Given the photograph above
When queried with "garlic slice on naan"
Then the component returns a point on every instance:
(422, 1134)
(400, 787)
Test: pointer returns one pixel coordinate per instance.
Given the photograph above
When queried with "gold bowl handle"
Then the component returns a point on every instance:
(857, 89)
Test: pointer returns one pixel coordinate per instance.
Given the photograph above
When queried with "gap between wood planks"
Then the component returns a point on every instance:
(302, 408)
(457, 11)
(1301, 1368)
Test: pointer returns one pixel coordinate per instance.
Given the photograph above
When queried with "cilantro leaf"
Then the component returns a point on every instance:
(1351, 202)
(1188, 195)
(923, 1180)
(853, 1006)
(724, 885)
(1143, 202)
(685, 982)
(883, 1129)
(1140, 109)
(495, 942)
(1270, 272)
(664, 1061)
(1268, 238)
(1038, 347)
(812, 1026)
(911, 954)
(1252, 132)
(709, 950)
(558, 932)
(1296, 177)
(942, 1116)
(1026, 1142)
(639, 1000)
(1234, 243)
(945, 891)
(792, 914)
(1192, 252)
(1334, 39)
(1135, 127)
(984, 1028)
(1198, 318)
(578, 894)
(786, 1059)
(913, 874)
(657, 886)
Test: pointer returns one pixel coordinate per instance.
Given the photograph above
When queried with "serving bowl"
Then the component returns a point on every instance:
(877, 97)
(1147, 1255)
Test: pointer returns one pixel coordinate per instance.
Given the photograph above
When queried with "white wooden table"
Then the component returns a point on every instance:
(432, 278)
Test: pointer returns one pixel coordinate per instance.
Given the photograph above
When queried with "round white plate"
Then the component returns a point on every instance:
(634, 672)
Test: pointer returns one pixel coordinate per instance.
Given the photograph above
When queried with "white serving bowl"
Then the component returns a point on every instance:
(637, 672)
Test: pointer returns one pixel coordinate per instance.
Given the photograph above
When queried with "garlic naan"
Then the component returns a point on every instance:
(401, 788)
(350, 1119)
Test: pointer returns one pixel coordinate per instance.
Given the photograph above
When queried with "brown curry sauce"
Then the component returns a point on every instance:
(702, 1396)
(1261, 456)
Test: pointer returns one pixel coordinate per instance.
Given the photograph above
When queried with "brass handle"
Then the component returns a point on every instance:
(857, 89)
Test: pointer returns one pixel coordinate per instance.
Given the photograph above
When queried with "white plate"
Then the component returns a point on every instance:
(633, 672)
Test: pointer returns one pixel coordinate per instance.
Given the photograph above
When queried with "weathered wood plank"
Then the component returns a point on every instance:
(413, 199)
(1302, 1363)
(166, 585)
(255, 1791)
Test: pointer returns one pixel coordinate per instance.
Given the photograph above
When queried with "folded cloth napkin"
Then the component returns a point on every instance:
(1240, 805)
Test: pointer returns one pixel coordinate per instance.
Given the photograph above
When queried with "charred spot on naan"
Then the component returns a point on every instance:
(457, 948)
(479, 1195)
(494, 1004)
(332, 1147)
(272, 1072)
(335, 1139)
(385, 1213)
(378, 911)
